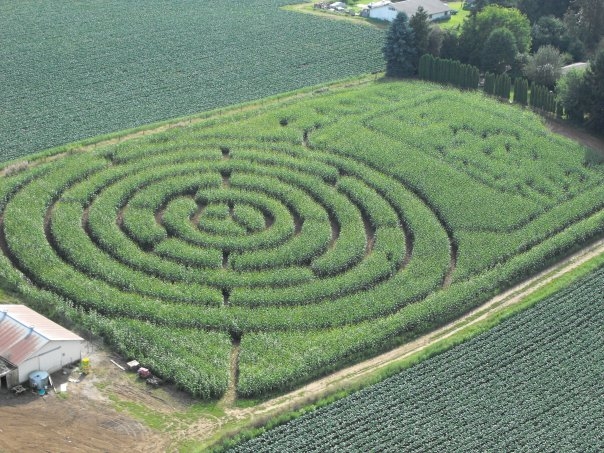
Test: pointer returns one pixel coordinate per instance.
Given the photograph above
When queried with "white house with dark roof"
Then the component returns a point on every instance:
(386, 10)
(30, 342)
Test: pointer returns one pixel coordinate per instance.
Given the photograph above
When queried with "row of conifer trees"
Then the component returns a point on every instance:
(466, 76)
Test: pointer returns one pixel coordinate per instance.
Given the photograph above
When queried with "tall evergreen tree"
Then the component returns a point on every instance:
(585, 21)
(549, 30)
(450, 45)
(594, 79)
(420, 24)
(489, 83)
(534, 9)
(517, 91)
(533, 96)
(435, 40)
(399, 49)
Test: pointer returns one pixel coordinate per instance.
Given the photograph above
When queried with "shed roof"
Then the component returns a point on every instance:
(570, 67)
(24, 331)
(379, 4)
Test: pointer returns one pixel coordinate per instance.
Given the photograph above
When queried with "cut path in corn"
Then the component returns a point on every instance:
(348, 377)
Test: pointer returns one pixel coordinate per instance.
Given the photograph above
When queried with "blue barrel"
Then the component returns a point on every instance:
(38, 380)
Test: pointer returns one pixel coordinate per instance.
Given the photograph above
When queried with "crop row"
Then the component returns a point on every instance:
(60, 87)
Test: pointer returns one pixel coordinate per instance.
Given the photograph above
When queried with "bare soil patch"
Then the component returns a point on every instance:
(577, 134)
(92, 416)
(82, 419)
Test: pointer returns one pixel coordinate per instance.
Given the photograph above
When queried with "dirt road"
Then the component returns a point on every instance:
(349, 375)
(91, 417)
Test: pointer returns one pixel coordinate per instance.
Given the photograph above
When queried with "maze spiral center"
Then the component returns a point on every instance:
(219, 235)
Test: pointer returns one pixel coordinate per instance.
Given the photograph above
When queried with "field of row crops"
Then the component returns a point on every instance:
(308, 232)
(534, 383)
(72, 70)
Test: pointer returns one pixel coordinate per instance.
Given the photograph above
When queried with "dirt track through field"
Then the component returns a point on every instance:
(83, 422)
(346, 377)
(87, 420)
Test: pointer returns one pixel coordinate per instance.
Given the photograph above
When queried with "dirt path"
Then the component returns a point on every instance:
(348, 376)
(96, 415)
(579, 135)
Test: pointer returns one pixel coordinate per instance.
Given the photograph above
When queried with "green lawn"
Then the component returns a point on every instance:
(458, 18)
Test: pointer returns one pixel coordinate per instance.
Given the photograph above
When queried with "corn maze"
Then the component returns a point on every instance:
(299, 236)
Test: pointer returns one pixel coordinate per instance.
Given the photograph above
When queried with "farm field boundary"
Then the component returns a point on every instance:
(297, 236)
(274, 412)
(75, 70)
(113, 138)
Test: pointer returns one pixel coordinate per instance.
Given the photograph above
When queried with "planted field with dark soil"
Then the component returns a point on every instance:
(533, 383)
(73, 70)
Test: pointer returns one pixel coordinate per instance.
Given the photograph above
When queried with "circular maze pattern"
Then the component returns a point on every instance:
(224, 234)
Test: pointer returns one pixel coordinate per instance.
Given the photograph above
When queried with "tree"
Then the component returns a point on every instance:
(534, 9)
(521, 91)
(585, 21)
(550, 30)
(499, 51)
(450, 45)
(420, 24)
(399, 49)
(489, 83)
(594, 79)
(545, 66)
(503, 85)
(478, 6)
(435, 40)
(572, 93)
(476, 30)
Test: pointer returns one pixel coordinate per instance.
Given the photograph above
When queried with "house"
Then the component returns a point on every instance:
(30, 342)
(386, 10)
(575, 66)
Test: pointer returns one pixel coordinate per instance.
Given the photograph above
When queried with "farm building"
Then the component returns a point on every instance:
(31, 342)
(386, 10)
(575, 66)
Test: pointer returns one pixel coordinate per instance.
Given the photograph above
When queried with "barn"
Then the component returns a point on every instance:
(30, 342)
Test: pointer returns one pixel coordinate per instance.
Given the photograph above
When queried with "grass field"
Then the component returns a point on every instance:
(300, 235)
(73, 70)
(458, 18)
(533, 383)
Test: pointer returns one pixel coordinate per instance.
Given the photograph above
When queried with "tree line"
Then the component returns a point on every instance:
(519, 46)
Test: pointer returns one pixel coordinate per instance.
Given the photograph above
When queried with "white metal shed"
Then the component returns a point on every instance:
(31, 342)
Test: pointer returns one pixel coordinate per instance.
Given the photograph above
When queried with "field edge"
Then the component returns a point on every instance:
(233, 434)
